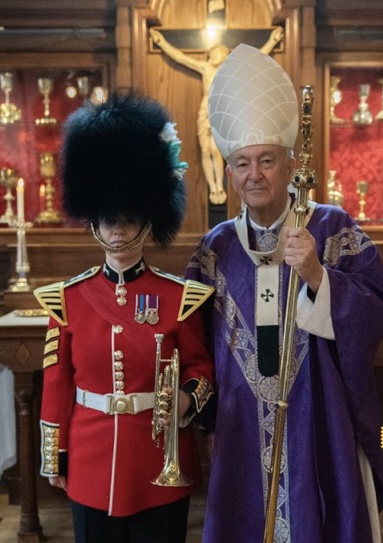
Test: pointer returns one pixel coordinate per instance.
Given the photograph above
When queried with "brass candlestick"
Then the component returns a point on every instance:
(361, 189)
(379, 115)
(335, 99)
(48, 170)
(22, 265)
(45, 87)
(9, 113)
(8, 178)
(362, 115)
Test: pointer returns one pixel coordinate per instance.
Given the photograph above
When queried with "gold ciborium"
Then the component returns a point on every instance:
(8, 178)
(45, 87)
(379, 115)
(362, 115)
(361, 189)
(9, 113)
(335, 99)
(48, 171)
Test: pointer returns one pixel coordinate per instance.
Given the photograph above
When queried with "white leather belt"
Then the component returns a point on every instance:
(114, 404)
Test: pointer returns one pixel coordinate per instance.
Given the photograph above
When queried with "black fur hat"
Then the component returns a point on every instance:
(121, 158)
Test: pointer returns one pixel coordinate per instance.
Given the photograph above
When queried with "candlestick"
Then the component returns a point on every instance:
(361, 189)
(20, 199)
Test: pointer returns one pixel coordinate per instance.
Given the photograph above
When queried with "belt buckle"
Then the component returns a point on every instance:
(122, 405)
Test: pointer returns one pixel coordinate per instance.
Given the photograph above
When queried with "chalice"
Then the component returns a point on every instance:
(45, 87)
(361, 189)
(362, 115)
(48, 170)
(9, 113)
(8, 178)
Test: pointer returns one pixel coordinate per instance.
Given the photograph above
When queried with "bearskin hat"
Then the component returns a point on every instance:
(121, 158)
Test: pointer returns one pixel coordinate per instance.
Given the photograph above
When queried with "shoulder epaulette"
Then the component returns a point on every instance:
(193, 296)
(51, 297)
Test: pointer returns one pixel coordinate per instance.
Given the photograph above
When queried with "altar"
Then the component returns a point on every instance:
(22, 337)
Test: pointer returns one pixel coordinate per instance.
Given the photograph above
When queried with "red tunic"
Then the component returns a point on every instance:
(112, 458)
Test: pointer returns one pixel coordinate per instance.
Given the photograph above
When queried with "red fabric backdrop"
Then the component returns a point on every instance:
(356, 152)
(21, 143)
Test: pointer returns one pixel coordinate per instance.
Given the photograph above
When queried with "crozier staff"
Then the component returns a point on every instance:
(331, 482)
(121, 172)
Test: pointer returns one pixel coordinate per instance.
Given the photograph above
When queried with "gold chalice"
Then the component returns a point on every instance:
(362, 115)
(8, 178)
(45, 87)
(361, 189)
(48, 170)
(9, 113)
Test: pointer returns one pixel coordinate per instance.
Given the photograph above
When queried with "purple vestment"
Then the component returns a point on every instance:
(333, 403)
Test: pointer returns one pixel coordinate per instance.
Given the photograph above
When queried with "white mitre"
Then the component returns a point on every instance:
(252, 101)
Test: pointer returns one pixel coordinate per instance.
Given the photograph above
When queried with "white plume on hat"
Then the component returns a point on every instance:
(252, 101)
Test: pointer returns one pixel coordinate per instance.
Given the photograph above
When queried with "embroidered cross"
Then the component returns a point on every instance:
(268, 295)
(266, 260)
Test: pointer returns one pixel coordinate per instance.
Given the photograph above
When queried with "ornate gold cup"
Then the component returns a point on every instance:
(48, 170)
(8, 178)
(362, 189)
(363, 115)
(45, 87)
(9, 113)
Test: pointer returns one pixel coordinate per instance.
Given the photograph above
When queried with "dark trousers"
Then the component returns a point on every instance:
(164, 524)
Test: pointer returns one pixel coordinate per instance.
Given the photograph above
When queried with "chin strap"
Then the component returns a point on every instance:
(139, 240)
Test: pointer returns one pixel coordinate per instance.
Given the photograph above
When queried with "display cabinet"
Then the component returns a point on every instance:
(353, 136)
(36, 97)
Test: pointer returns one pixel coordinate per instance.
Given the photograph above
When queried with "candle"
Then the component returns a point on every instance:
(42, 197)
(20, 200)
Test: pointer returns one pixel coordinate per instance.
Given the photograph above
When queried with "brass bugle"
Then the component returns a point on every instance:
(304, 180)
(171, 474)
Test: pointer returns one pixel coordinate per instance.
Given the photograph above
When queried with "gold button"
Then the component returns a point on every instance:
(118, 328)
(118, 366)
(121, 291)
(118, 355)
(121, 300)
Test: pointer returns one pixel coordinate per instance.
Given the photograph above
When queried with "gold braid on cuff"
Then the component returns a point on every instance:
(49, 449)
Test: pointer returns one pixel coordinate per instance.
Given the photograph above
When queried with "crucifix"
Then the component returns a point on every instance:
(217, 41)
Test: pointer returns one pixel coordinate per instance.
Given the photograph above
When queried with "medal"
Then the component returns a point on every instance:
(152, 309)
(139, 316)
